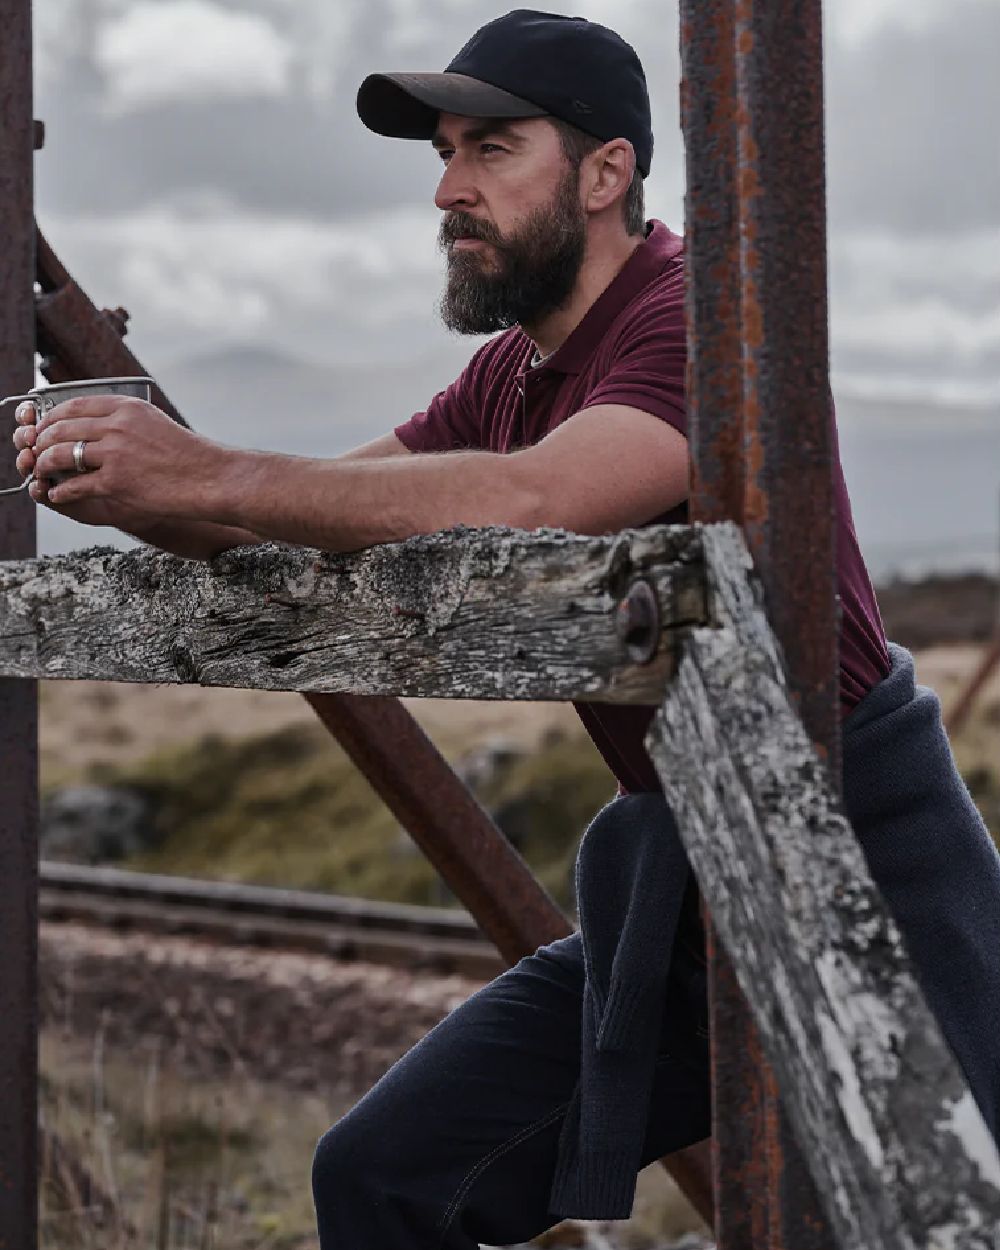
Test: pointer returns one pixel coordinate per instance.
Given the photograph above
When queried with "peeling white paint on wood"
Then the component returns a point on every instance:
(478, 614)
(964, 1122)
(848, 1088)
(862, 1018)
(896, 1144)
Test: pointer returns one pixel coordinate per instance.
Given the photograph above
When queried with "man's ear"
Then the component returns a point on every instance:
(610, 170)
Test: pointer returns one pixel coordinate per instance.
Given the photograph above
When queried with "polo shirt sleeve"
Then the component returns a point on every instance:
(646, 368)
(450, 422)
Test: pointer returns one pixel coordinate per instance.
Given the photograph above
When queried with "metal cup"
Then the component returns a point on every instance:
(45, 398)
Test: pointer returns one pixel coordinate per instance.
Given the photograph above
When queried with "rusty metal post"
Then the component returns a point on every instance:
(75, 338)
(18, 697)
(715, 430)
(758, 382)
(712, 244)
(789, 508)
(989, 661)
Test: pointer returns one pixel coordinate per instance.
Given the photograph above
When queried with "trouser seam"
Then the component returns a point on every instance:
(497, 1152)
(503, 1148)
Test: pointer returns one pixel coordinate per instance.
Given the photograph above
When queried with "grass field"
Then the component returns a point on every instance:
(185, 1155)
(191, 1085)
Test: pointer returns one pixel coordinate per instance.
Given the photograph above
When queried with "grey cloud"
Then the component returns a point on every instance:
(909, 119)
(280, 156)
(911, 126)
(292, 155)
(911, 372)
(975, 300)
(296, 154)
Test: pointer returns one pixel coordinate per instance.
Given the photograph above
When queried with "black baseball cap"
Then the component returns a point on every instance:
(524, 64)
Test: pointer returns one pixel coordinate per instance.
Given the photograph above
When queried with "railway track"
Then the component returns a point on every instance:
(432, 939)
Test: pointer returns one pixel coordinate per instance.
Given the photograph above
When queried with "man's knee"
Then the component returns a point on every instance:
(341, 1166)
(366, 1190)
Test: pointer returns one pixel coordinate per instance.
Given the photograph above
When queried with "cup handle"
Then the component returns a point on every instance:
(9, 399)
(12, 490)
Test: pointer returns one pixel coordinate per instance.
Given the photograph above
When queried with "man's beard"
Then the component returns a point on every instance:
(524, 276)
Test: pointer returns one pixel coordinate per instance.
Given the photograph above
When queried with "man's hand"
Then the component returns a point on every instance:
(141, 465)
(90, 511)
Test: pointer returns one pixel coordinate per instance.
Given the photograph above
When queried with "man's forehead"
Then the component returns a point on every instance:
(452, 128)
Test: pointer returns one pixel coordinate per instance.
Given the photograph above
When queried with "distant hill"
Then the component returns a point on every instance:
(924, 481)
(257, 397)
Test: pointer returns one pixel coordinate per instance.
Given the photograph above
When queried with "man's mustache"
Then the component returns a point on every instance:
(460, 226)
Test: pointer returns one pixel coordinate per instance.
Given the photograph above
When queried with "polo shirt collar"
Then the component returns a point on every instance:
(647, 262)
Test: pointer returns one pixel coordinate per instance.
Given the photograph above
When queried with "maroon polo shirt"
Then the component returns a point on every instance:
(628, 349)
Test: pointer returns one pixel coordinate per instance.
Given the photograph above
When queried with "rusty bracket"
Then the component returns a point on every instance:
(75, 338)
(637, 622)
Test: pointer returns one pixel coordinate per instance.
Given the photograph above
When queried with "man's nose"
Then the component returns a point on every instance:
(456, 189)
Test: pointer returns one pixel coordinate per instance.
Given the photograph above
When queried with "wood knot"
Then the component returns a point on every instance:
(183, 662)
(637, 622)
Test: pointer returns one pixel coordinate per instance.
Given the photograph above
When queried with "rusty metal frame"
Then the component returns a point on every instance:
(18, 698)
(760, 412)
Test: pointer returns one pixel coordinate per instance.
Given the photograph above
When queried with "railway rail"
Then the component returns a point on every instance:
(437, 940)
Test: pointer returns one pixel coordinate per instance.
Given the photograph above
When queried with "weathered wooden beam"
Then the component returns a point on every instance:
(895, 1141)
(478, 614)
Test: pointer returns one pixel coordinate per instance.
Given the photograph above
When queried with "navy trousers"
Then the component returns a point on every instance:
(456, 1144)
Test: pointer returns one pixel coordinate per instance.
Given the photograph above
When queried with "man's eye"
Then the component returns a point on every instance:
(490, 147)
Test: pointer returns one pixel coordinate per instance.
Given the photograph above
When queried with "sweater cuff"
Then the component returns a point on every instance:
(595, 1185)
(620, 1009)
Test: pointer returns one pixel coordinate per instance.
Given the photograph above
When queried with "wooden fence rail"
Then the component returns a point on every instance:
(473, 614)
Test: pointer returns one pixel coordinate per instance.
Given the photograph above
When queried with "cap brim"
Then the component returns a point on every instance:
(406, 106)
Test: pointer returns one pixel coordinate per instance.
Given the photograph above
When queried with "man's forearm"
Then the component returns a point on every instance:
(345, 504)
(194, 540)
(203, 539)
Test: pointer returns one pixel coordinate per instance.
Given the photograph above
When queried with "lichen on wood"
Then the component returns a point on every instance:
(896, 1144)
(486, 614)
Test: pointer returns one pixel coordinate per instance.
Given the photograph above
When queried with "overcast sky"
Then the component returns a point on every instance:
(205, 167)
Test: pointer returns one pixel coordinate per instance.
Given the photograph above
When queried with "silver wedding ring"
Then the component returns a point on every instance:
(78, 456)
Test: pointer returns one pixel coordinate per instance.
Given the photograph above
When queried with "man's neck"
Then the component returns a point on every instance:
(597, 273)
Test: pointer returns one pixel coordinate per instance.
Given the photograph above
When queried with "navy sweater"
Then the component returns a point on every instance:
(928, 851)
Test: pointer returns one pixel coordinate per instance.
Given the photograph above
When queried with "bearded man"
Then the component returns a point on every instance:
(545, 1092)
